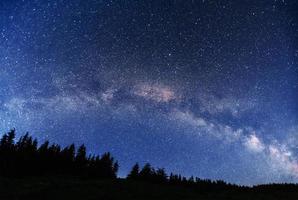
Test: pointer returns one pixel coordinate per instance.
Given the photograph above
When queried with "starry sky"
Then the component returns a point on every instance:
(204, 87)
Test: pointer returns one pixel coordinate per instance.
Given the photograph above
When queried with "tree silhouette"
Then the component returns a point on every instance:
(134, 173)
(160, 176)
(146, 173)
(24, 158)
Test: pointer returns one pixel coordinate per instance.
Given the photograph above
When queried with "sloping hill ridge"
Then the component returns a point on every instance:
(48, 171)
(50, 188)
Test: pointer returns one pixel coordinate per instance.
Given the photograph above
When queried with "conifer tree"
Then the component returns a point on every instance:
(146, 172)
(134, 173)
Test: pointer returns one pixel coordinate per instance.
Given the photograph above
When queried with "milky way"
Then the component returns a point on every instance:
(203, 88)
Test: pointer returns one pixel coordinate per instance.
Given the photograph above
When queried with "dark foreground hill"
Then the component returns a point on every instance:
(48, 171)
(56, 188)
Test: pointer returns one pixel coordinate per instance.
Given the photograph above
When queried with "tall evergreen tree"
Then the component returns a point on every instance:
(134, 173)
(146, 172)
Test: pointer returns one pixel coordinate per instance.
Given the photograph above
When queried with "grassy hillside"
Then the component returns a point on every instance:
(73, 188)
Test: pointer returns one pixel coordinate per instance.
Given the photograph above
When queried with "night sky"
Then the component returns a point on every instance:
(203, 88)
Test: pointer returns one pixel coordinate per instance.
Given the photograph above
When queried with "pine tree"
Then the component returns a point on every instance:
(81, 154)
(146, 173)
(134, 173)
(115, 169)
(161, 176)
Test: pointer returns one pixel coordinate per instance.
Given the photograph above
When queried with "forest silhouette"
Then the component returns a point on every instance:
(28, 161)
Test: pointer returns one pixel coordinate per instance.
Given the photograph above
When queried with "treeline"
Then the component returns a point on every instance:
(207, 187)
(150, 174)
(26, 158)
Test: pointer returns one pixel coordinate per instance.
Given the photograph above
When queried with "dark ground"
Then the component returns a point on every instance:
(73, 188)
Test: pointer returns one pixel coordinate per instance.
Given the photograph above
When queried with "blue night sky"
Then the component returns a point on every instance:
(203, 88)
